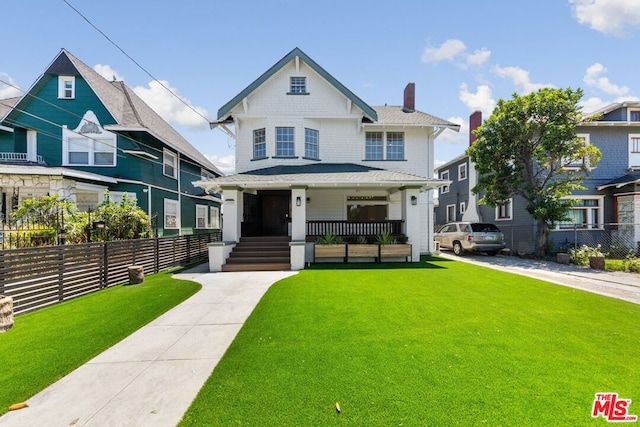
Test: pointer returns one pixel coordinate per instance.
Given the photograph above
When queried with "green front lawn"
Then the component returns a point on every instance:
(445, 344)
(47, 344)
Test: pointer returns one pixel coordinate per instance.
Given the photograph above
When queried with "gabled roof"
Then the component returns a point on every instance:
(614, 106)
(128, 110)
(223, 112)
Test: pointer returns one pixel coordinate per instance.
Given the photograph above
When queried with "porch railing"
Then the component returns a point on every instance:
(353, 228)
(20, 158)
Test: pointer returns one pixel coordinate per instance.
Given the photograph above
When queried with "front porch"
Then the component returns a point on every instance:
(356, 203)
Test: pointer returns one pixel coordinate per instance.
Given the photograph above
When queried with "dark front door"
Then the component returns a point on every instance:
(275, 213)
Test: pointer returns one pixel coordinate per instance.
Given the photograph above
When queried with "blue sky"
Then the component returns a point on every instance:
(463, 55)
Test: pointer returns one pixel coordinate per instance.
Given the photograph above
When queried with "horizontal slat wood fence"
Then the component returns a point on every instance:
(42, 276)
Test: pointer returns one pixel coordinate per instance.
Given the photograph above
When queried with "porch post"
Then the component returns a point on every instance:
(411, 218)
(298, 213)
(232, 214)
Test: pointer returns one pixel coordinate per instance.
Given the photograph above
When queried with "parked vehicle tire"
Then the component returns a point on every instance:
(457, 248)
(492, 253)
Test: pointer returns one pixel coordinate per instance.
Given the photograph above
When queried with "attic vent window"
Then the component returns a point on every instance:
(66, 87)
(298, 86)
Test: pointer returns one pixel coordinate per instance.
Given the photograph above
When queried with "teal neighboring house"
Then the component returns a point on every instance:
(77, 134)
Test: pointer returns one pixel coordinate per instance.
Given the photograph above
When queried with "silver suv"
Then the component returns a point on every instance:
(470, 236)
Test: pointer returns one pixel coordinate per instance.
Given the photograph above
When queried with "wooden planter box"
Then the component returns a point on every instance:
(330, 251)
(362, 251)
(402, 250)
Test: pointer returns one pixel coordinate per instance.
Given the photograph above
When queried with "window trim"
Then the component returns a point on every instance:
(165, 154)
(368, 140)
(214, 217)
(633, 156)
(200, 209)
(584, 162)
(447, 187)
(62, 80)
(388, 146)
(299, 89)
(279, 154)
(466, 171)
(169, 202)
(307, 142)
(256, 143)
(600, 209)
(446, 213)
(462, 208)
(509, 215)
(632, 110)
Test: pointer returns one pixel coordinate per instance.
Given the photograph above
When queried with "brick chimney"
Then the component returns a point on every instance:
(409, 105)
(475, 120)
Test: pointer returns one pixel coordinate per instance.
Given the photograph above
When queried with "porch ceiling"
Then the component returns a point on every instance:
(322, 176)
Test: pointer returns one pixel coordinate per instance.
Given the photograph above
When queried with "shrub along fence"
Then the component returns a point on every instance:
(43, 276)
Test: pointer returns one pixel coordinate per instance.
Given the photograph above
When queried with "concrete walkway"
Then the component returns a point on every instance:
(151, 377)
(615, 284)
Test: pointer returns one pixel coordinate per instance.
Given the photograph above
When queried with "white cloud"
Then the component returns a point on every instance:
(520, 79)
(107, 72)
(593, 79)
(612, 17)
(479, 57)
(226, 164)
(594, 104)
(481, 100)
(10, 90)
(169, 107)
(454, 50)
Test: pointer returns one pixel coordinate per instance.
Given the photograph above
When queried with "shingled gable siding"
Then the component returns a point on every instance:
(70, 113)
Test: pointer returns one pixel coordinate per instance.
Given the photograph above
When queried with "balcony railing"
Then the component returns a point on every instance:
(20, 158)
(353, 228)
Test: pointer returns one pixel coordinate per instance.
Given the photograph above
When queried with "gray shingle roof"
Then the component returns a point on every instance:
(394, 115)
(321, 175)
(6, 105)
(129, 110)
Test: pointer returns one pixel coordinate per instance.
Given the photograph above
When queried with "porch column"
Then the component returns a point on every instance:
(232, 214)
(411, 218)
(298, 213)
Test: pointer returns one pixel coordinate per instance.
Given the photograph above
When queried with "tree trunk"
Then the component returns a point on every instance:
(541, 238)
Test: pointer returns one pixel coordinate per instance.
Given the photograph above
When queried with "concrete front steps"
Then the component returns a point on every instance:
(264, 253)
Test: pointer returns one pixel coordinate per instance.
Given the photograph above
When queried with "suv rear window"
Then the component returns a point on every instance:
(484, 228)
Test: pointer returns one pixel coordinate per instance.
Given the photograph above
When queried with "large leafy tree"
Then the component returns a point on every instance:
(523, 149)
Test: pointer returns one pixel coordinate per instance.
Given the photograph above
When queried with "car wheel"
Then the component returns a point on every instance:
(457, 248)
(492, 253)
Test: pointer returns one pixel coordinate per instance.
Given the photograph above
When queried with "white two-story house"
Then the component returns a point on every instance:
(312, 157)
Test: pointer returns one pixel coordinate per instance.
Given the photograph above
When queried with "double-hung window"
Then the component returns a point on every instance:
(311, 144)
(170, 164)
(66, 87)
(579, 162)
(451, 213)
(171, 215)
(395, 146)
(259, 144)
(504, 211)
(201, 216)
(634, 151)
(373, 146)
(214, 217)
(91, 151)
(285, 142)
(444, 175)
(298, 85)
(462, 172)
